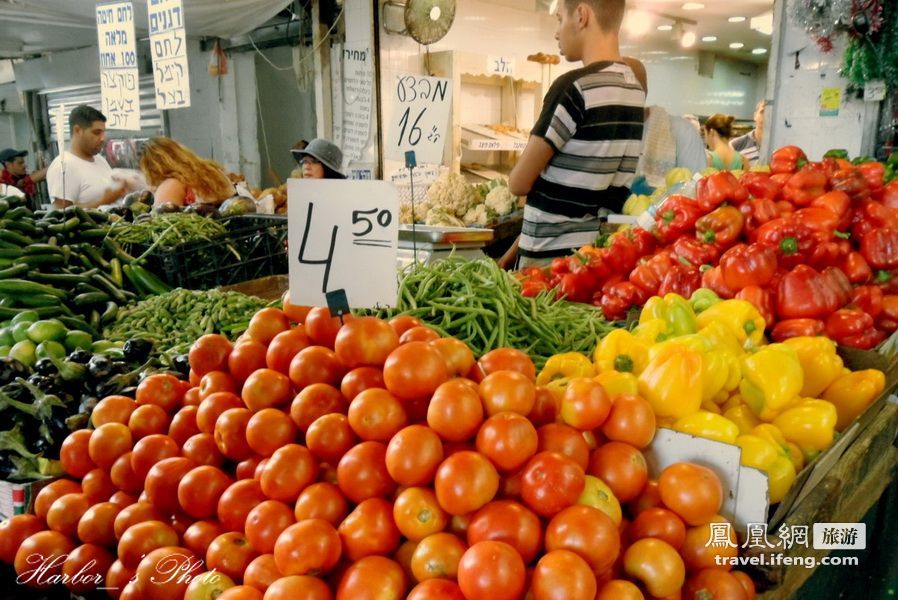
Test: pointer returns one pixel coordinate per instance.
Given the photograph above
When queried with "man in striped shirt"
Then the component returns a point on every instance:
(583, 150)
(749, 145)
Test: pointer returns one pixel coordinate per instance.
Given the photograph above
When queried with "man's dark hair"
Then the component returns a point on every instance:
(609, 13)
(84, 116)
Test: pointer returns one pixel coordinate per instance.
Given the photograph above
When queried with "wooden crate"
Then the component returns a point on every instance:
(267, 288)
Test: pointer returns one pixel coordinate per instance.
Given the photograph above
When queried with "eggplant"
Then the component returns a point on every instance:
(11, 368)
(181, 364)
(45, 367)
(44, 383)
(137, 350)
(99, 367)
(80, 356)
(17, 391)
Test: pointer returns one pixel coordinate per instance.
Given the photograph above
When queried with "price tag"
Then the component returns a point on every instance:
(420, 118)
(500, 65)
(168, 47)
(119, 78)
(343, 236)
(875, 91)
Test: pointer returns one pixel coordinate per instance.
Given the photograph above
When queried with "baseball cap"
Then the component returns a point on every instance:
(11, 153)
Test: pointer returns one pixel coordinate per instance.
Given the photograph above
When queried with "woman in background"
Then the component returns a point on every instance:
(718, 131)
(180, 177)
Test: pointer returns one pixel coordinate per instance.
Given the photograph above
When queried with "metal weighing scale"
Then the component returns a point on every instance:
(434, 243)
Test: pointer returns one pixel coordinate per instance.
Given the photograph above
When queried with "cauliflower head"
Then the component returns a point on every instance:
(501, 200)
(452, 192)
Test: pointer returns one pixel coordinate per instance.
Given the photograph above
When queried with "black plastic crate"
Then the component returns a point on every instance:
(255, 246)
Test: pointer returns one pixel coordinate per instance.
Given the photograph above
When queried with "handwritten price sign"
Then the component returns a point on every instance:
(168, 47)
(343, 236)
(420, 119)
(119, 79)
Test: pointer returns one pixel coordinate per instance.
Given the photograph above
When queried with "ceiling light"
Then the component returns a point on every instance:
(759, 51)
(637, 23)
(688, 39)
(553, 7)
(737, 45)
(709, 38)
(763, 24)
(736, 19)
(693, 6)
(665, 27)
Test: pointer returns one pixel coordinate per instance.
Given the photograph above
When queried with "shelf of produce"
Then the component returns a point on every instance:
(485, 138)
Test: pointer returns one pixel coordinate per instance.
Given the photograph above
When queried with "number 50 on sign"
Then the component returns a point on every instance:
(343, 235)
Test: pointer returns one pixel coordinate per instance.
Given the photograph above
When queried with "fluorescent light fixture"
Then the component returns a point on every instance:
(637, 23)
(693, 6)
(553, 7)
(737, 45)
(736, 19)
(665, 27)
(763, 24)
(709, 38)
(688, 39)
(759, 51)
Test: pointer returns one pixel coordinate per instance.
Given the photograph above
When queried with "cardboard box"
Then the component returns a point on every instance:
(18, 497)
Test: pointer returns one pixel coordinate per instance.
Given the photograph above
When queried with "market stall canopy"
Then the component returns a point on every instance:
(37, 26)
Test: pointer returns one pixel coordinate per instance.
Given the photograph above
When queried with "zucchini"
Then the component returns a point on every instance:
(83, 288)
(17, 287)
(150, 281)
(109, 287)
(43, 249)
(62, 279)
(65, 226)
(92, 234)
(86, 219)
(11, 252)
(18, 213)
(117, 251)
(41, 260)
(116, 272)
(134, 281)
(13, 271)
(90, 298)
(24, 227)
(95, 256)
(14, 237)
(38, 300)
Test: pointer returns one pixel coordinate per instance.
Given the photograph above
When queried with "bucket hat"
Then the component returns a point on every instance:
(325, 152)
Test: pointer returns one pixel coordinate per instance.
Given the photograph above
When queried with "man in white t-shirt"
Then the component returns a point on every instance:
(81, 176)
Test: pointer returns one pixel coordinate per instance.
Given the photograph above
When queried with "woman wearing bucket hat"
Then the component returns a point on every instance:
(320, 159)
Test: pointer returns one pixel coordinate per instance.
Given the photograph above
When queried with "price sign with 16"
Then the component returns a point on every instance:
(421, 118)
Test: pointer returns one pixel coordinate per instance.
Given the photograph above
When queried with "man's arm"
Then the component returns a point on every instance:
(533, 161)
(39, 175)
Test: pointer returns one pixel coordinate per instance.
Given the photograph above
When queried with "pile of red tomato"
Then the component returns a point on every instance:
(365, 459)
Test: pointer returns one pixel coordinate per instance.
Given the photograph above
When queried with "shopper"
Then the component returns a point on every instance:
(582, 153)
(749, 145)
(81, 175)
(320, 159)
(668, 141)
(15, 174)
(718, 131)
(300, 145)
(180, 177)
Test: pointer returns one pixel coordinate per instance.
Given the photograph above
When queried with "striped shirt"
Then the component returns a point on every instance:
(593, 119)
(747, 146)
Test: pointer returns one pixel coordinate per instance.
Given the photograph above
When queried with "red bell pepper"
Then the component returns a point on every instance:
(676, 218)
(721, 227)
(717, 188)
(742, 266)
(839, 286)
(889, 195)
(865, 341)
(533, 287)
(787, 159)
(868, 298)
(576, 287)
(875, 173)
(761, 299)
(805, 186)
(622, 253)
(693, 254)
(846, 325)
(791, 328)
(856, 268)
(803, 293)
(649, 273)
(713, 280)
(870, 216)
(829, 254)
(839, 204)
(880, 248)
(619, 298)
(780, 179)
(887, 320)
(680, 280)
(644, 241)
(852, 182)
(757, 212)
(790, 238)
(832, 165)
(761, 185)
(559, 266)
(821, 221)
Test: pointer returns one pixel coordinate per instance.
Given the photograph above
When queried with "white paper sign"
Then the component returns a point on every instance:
(119, 79)
(875, 91)
(500, 65)
(420, 118)
(352, 121)
(343, 235)
(168, 47)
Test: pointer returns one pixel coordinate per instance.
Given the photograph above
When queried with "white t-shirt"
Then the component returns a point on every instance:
(81, 181)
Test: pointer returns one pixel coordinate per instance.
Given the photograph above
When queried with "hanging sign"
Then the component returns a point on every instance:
(119, 79)
(420, 118)
(168, 47)
(343, 238)
(353, 99)
(830, 101)
(500, 65)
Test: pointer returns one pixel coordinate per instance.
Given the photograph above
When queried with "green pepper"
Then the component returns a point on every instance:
(702, 299)
(674, 310)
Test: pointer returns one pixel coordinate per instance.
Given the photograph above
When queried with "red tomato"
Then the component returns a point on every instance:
(308, 547)
(365, 341)
(656, 565)
(551, 482)
(698, 554)
(230, 553)
(296, 587)
(437, 556)
(465, 482)
(585, 405)
(142, 538)
(200, 489)
(268, 430)
(372, 578)
(288, 472)
(509, 522)
(622, 467)
(209, 353)
(74, 455)
(266, 388)
(199, 535)
(322, 328)
(86, 567)
(202, 449)
(14, 531)
(183, 425)
(659, 523)
(631, 421)
(563, 574)
(565, 440)
(508, 439)
(261, 572)
(507, 391)
(413, 455)
(376, 415)
(52, 547)
(295, 312)
(247, 357)
(545, 407)
(162, 389)
(694, 492)
(139, 512)
(619, 589)
(97, 486)
(112, 409)
(316, 364)
(265, 522)
(369, 529)
(315, 401)
(455, 411)
(403, 323)
(150, 450)
(216, 381)
(117, 577)
(418, 514)
(362, 472)
(360, 379)
(108, 442)
(230, 433)
(459, 358)
(212, 407)
(284, 347)
(330, 437)
(162, 482)
(507, 359)
(715, 584)
(266, 324)
(414, 370)
(165, 573)
(321, 500)
(588, 532)
(436, 589)
(65, 513)
(422, 333)
(491, 571)
(50, 492)
(97, 525)
(147, 420)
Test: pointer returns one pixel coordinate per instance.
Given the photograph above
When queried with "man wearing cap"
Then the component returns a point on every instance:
(14, 172)
(320, 159)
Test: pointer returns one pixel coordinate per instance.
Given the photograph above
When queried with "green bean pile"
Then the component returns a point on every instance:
(480, 304)
(173, 321)
(166, 230)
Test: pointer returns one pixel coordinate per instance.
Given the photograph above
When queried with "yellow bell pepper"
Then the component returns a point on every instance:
(743, 417)
(809, 424)
(723, 337)
(819, 361)
(650, 332)
(772, 434)
(708, 425)
(711, 407)
(618, 384)
(718, 367)
(771, 379)
(672, 384)
(674, 310)
(561, 368)
(853, 393)
(620, 351)
(765, 455)
(740, 317)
